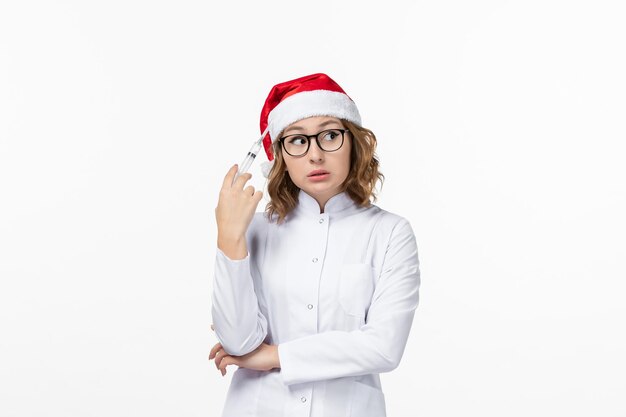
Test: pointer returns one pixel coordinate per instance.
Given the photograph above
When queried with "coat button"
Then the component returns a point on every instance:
(314, 260)
(321, 221)
(303, 399)
(310, 306)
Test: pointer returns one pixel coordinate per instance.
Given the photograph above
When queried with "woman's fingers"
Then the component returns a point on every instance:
(228, 360)
(249, 191)
(219, 357)
(231, 182)
(241, 180)
(228, 179)
(214, 350)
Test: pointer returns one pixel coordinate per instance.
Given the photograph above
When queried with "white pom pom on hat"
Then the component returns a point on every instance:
(308, 96)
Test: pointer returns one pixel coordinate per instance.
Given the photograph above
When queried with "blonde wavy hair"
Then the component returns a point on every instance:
(360, 184)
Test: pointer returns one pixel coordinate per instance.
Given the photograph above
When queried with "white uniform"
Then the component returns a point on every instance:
(336, 291)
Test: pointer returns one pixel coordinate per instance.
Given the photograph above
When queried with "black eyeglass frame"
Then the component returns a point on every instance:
(317, 140)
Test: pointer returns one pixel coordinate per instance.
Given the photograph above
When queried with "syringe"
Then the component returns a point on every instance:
(252, 153)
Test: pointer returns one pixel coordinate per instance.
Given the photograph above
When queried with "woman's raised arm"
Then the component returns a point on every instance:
(239, 324)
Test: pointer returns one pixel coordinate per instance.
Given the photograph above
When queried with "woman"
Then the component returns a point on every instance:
(314, 298)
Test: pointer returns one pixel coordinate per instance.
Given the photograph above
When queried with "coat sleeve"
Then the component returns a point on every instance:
(239, 323)
(379, 344)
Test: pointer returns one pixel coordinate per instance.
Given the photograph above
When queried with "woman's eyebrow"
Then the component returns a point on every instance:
(323, 124)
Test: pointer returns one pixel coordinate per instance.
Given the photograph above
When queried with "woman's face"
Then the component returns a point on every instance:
(318, 173)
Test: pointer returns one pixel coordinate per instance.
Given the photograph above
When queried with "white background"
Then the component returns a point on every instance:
(501, 131)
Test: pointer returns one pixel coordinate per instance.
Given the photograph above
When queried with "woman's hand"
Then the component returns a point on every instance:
(263, 358)
(234, 212)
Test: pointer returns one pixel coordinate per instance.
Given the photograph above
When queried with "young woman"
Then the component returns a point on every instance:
(315, 297)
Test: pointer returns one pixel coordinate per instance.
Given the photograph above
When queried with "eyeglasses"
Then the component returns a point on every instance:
(327, 140)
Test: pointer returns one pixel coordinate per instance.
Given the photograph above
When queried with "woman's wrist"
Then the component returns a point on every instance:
(234, 248)
(276, 357)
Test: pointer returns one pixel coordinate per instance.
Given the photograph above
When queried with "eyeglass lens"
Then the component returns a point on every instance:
(328, 140)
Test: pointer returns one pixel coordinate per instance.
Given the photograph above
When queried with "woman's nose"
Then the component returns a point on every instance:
(315, 153)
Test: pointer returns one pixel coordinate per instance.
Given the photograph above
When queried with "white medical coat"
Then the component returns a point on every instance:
(336, 291)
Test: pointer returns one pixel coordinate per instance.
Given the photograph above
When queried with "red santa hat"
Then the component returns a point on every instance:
(290, 101)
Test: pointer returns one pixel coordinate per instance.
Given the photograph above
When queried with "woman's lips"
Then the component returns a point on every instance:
(318, 175)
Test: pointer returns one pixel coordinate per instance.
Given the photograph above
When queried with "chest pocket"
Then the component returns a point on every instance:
(356, 287)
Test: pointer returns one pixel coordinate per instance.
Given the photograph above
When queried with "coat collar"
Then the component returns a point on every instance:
(338, 205)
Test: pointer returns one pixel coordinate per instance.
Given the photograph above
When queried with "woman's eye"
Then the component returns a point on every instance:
(329, 136)
(298, 140)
